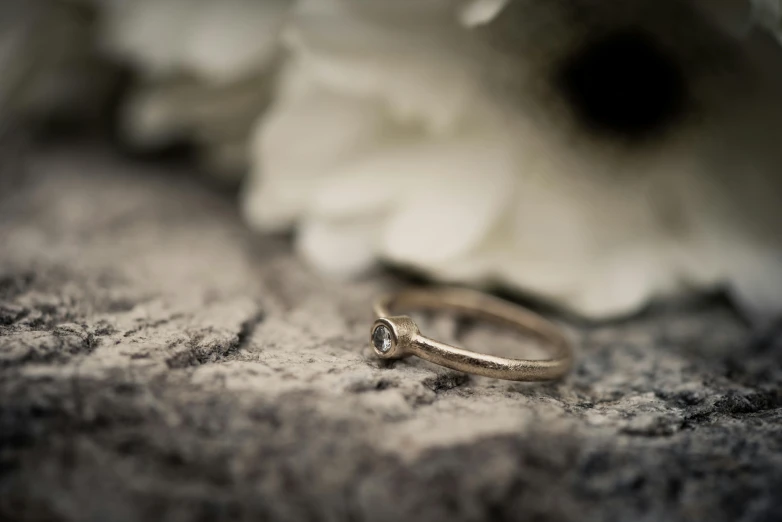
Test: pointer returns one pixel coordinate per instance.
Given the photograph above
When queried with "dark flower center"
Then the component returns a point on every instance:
(624, 84)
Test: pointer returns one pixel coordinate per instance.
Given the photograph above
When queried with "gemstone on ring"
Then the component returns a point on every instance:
(382, 339)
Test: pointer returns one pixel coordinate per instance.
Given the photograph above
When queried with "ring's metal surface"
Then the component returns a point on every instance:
(397, 336)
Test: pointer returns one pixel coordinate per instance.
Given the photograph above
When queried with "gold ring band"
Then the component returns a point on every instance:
(397, 336)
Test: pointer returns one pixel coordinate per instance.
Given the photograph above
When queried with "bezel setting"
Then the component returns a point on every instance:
(388, 327)
(402, 330)
(382, 338)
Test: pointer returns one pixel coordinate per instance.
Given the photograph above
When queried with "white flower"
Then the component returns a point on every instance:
(599, 160)
(205, 69)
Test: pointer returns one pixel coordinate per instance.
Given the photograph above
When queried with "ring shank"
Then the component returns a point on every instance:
(478, 305)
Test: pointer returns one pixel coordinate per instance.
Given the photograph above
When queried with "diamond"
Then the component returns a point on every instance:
(381, 338)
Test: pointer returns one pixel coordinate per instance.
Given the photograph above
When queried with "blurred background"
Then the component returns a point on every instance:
(599, 155)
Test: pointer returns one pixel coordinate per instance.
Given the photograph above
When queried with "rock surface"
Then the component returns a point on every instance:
(157, 362)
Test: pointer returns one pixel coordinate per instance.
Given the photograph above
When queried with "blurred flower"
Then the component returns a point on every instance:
(204, 68)
(599, 158)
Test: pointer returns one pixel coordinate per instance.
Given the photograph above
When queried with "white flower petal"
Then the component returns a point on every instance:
(365, 188)
(427, 73)
(301, 140)
(476, 267)
(463, 190)
(479, 12)
(556, 279)
(150, 33)
(751, 272)
(337, 248)
(624, 282)
(217, 41)
(616, 283)
(380, 178)
(233, 38)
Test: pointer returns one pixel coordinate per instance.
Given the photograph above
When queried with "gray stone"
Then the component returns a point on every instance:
(159, 362)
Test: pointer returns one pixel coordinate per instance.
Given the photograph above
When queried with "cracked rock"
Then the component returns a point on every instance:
(158, 362)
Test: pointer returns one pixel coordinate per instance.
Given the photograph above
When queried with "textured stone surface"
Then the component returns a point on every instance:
(157, 362)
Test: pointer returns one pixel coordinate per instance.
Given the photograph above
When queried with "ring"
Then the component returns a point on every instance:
(397, 336)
